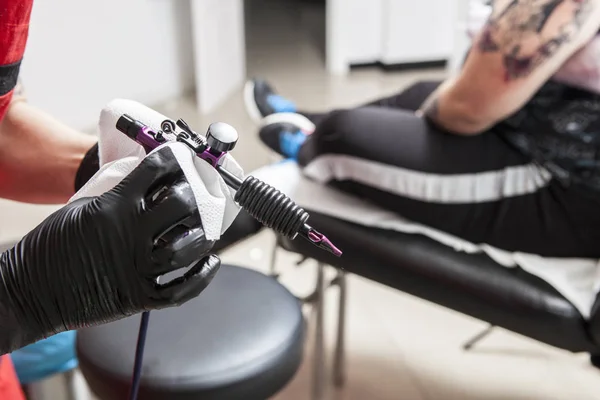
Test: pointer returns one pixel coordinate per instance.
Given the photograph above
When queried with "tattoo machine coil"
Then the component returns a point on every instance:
(265, 203)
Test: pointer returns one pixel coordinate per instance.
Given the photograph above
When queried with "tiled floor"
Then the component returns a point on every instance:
(398, 347)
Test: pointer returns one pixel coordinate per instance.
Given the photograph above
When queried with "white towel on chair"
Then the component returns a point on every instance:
(119, 155)
(577, 279)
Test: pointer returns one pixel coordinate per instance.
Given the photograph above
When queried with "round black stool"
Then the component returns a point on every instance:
(242, 338)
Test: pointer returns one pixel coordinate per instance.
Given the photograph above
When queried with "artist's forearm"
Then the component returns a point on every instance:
(39, 156)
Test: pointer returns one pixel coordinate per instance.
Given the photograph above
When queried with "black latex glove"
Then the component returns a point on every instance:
(97, 259)
(88, 167)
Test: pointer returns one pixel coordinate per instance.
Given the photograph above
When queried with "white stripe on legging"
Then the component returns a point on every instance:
(434, 188)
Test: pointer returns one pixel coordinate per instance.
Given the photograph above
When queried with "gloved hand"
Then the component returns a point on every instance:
(98, 259)
(88, 167)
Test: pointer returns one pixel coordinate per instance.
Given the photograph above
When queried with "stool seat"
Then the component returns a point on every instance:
(242, 338)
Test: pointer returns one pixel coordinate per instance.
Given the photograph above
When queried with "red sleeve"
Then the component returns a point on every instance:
(14, 29)
(10, 388)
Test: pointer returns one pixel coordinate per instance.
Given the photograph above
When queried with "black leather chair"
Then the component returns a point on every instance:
(471, 284)
(242, 338)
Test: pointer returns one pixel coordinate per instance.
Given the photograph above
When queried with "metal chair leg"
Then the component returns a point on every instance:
(339, 361)
(477, 338)
(272, 267)
(318, 385)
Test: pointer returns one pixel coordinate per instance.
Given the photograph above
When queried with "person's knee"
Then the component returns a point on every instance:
(336, 123)
(372, 133)
(329, 135)
(343, 132)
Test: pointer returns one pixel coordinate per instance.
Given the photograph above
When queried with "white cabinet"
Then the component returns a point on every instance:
(389, 31)
(417, 31)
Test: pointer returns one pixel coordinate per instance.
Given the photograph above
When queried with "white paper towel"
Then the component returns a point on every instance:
(119, 155)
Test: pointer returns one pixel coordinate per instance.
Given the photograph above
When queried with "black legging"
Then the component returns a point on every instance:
(478, 188)
(409, 99)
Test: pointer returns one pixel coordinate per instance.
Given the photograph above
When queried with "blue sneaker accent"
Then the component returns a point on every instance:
(280, 104)
(290, 143)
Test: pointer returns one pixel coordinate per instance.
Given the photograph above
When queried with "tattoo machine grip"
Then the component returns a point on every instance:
(271, 207)
(262, 201)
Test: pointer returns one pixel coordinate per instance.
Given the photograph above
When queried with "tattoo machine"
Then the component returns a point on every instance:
(263, 202)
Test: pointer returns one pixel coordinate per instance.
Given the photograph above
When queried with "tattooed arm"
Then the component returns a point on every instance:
(521, 46)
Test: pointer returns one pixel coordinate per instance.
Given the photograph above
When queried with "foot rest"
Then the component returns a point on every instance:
(242, 338)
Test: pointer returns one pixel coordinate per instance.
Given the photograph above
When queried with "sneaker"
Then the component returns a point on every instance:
(299, 120)
(262, 100)
(284, 138)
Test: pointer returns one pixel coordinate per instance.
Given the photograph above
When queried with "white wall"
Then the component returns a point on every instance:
(462, 42)
(82, 54)
(220, 51)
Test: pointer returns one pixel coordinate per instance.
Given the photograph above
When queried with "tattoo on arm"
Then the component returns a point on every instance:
(528, 32)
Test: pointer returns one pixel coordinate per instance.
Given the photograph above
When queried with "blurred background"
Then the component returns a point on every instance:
(190, 58)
